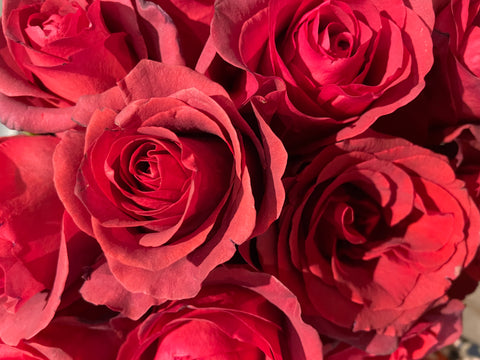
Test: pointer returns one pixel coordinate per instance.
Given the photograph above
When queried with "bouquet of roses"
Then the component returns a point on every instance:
(238, 179)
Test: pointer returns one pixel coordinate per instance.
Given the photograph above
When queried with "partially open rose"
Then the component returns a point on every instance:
(170, 180)
(53, 52)
(343, 63)
(237, 315)
(372, 235)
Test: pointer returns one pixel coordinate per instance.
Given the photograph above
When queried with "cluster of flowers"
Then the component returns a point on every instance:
(238, 179)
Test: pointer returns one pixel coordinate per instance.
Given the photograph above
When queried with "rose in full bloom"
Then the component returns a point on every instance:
(336, 65)
(171, 180)
(238, 315)
(373, 232)
(436, 329)
(53, 52)
(42, 252)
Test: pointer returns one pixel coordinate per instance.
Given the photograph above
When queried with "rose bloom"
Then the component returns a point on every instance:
(449, 101)
(373, 232)
(53, 52)
(238, 315)
(67, 338)
(436, 329)
(463, 148)
(42, 251)
(342, 64)
(456, 39)
(33, 257)
(171, 180)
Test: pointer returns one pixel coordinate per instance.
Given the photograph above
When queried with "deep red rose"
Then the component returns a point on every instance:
(42, 252)
(171, 180)
(373, 232)
(342, 64)
(436, 329)
(53, 52)
(238, 315)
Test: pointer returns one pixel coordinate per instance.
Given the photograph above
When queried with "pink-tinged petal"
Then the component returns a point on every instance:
(66, 160)
(102, 288)
(181, 279)
(163, 44)
(32, 118)
(143, 81)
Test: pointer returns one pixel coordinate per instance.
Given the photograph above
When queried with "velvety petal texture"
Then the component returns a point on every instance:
(342, 64)
(170, 182)
(364, 212)
(238, 315)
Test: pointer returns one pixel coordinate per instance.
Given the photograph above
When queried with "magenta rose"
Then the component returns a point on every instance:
(237, 315)
(438, 328)
(171, 180)
(342, 64)
(53, 52)
(373, 233)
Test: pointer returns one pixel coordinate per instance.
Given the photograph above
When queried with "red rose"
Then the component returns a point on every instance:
(466, 158)
(450, 98)
(240, 313)
(171, 180)
(465, 140)
(33, 257)
(53, 52)
(343, 64)
(67, 338)
(42, 252)
(438, 328)
(373, 233)
(457, 37)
